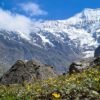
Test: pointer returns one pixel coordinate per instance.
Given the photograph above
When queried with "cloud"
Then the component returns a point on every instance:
(16, 22)
(32, 9)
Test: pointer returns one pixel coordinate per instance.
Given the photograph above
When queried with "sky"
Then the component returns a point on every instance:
(47, 9)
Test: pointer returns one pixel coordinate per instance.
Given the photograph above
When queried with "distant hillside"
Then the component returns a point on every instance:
(3, 69)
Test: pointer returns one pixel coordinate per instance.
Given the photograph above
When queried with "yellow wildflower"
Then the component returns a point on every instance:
(28, 87)
(56, 95)
(97, 79)
(38, 90)
(78, 81)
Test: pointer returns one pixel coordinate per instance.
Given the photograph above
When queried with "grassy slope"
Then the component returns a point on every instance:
(75, 87)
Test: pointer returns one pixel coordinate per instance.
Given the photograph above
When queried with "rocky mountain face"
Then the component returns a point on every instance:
(27, 71)
(56, 43)
(97, 52)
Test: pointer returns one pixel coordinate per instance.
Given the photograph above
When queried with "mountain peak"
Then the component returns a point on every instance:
(59, 40)
(86, 15)
(92, 14)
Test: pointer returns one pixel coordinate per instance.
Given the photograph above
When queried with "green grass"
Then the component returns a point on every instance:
(78, 86)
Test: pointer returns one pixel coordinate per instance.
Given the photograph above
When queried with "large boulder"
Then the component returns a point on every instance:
(77, 67)
(27, 71)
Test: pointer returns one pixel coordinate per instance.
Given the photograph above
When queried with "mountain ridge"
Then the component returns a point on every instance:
(56, 43)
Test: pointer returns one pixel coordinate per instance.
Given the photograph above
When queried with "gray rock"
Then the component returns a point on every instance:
(77, 67)
(29, 71)
(95, 62)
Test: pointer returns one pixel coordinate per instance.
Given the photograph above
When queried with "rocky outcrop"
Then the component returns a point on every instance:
(27, 71)
(77, 67)
(95, 62)
(97, 52)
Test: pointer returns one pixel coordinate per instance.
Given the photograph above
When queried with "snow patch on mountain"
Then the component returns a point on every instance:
(45, 40)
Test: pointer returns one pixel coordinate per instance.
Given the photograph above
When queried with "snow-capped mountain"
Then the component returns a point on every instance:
(56, 42)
